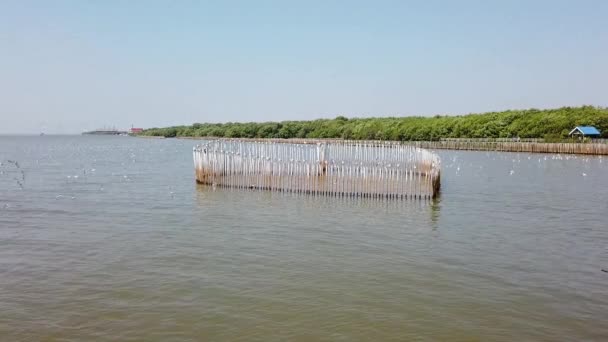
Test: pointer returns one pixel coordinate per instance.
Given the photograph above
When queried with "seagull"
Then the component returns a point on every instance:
(19, 183)
(584, 174)
(511, 172)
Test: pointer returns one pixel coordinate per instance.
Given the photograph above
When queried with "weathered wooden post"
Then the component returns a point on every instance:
(322, 156)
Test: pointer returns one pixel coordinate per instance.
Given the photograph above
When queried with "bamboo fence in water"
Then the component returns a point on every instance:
(333, 168)
(595, 147)
(516, 146)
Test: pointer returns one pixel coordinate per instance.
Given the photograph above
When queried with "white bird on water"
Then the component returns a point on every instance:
(511, 172)
(584, 174)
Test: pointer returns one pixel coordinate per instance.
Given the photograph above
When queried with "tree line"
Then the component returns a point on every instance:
(550, 124)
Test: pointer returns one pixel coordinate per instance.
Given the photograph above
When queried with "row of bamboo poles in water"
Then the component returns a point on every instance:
(596, 147)
(333, 168)
(532, 147)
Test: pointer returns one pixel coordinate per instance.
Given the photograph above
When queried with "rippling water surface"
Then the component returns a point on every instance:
(109, 238)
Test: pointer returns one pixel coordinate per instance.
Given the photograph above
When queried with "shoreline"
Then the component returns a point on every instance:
(150, 136)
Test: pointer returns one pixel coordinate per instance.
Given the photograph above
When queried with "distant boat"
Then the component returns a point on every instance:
(41, 134)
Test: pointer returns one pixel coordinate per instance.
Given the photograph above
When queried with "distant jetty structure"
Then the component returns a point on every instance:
(105, 131)
(333, 168)
(114, 131)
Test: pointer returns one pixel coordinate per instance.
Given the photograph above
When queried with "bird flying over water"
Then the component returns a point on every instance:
(18, 182)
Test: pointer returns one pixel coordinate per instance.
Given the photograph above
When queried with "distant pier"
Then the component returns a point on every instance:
(105, 132)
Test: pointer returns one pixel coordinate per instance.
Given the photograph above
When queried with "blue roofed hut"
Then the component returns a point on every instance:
(585, 132)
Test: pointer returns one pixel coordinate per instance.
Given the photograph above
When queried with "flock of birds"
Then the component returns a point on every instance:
(13, 170)
(455, 163)
(20, 177)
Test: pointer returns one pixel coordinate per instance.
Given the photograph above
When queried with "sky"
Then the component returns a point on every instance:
(70, 66)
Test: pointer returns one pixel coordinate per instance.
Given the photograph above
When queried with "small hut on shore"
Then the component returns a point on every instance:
(585, 132)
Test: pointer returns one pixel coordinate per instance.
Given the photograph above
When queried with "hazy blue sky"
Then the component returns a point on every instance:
(67, 66)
